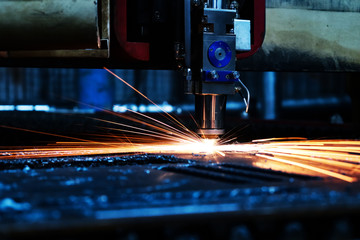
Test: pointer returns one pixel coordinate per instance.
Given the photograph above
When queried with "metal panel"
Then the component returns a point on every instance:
(243, 34)
(333, 5)
(309, 36)
(49, 24)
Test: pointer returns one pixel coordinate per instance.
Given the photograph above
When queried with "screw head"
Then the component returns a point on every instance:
(236, 75)
(214, 75)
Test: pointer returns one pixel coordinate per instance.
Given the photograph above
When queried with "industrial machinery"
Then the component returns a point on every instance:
(203, 39)
(70, 173)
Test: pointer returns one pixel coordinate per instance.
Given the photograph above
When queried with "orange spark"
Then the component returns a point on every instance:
(141, 94)
(334, 158)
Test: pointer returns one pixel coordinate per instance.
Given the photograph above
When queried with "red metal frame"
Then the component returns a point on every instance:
(137, 51)
(259, 29)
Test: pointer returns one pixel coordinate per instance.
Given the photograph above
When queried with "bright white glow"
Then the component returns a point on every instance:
(206, 145)
(203, 146)
(42, 108)
(25, 108)
(7, 107)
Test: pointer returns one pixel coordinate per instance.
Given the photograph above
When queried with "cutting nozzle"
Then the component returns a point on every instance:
(210, 112)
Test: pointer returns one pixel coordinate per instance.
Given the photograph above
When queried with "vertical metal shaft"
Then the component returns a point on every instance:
(210, 110)
(217, 4)
(187, 28)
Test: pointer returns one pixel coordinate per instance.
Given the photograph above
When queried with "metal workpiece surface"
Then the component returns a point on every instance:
(119, 191)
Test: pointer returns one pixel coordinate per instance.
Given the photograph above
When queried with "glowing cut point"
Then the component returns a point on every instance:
(209, 142)
(207, 146)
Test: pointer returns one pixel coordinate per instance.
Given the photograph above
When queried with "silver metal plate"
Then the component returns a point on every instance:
(242, 30)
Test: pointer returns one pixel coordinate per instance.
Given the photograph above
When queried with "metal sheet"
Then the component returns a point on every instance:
(78, 194)
(49, 24)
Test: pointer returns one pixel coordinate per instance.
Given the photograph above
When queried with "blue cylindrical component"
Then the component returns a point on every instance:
(219, 54)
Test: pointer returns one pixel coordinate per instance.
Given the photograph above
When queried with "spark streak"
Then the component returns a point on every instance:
(333, 158)
(329, 159)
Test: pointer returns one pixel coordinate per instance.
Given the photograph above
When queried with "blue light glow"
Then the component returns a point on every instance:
(167, 107)
(153, 109)
(133, 107)
(146, 108)
(7, 107)
(25, 108)
(119, 108)
(293, 103)
(269, 95)
(142, 108)
(166, 211)
(42, 108)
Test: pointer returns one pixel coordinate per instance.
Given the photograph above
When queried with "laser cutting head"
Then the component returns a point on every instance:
(213, 62)
(217, 34)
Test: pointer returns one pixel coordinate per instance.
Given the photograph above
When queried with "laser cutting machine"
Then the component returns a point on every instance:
(291, 189)
(204, 39)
